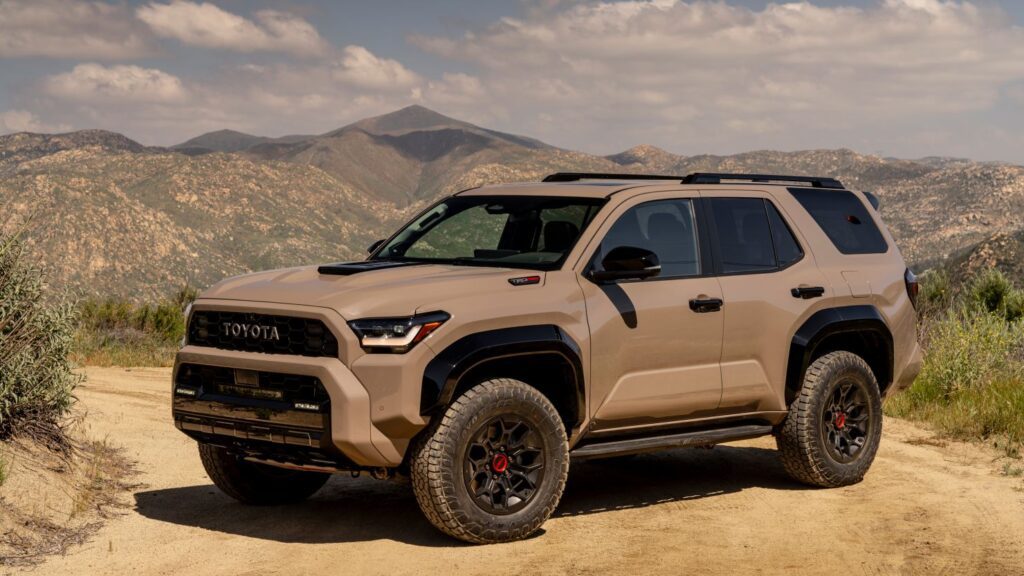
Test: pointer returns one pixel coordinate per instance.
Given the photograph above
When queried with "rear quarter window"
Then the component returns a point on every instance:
(843, 218)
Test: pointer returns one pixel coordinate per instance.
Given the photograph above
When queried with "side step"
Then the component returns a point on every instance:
(667, 442)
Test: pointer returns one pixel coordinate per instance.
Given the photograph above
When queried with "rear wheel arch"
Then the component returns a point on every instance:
(543, 356)
(861, 330)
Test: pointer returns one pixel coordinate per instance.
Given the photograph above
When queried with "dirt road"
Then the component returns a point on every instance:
(923, 509)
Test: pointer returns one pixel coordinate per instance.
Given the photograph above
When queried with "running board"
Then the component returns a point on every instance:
(667, 442)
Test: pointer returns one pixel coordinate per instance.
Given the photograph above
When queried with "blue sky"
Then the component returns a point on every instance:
(907, 78)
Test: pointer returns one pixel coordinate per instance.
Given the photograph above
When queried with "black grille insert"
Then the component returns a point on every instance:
(290, 388)
(250, 332)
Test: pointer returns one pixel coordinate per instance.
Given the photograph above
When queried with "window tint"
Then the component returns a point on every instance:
(664, 227)
(844, 220)
(787, 250)
(743, 234)
(508, 231)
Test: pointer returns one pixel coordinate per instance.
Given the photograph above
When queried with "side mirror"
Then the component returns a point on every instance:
(627, 263)
(373, 247)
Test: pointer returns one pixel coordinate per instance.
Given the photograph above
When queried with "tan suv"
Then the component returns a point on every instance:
(508, 329)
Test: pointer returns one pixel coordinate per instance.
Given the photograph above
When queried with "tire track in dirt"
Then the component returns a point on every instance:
(922, 509)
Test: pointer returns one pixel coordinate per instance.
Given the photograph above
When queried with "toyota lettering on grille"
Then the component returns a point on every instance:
(250, 331)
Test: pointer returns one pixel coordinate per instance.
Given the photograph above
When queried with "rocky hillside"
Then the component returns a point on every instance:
(1003, 251)
(111, 216)
(136, 224)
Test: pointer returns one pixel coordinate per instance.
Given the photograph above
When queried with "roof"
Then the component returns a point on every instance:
(598, 185)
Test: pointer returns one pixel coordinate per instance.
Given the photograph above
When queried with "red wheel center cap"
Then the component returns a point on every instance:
(500, 463)
(841, 420)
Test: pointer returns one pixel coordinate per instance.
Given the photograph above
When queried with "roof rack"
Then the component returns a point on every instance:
(696, 178)
(715, 178)
(575, 176)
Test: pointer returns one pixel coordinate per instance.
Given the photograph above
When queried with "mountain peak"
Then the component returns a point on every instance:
(409, 119)
(642, 154)
(224, 140)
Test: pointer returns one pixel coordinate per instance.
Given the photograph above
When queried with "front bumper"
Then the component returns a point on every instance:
(343, 433)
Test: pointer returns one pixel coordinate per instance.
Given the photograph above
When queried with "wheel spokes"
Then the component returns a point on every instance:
(504, 464)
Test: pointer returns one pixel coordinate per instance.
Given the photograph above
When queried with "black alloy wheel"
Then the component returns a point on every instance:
(846, 421)
(504, 464)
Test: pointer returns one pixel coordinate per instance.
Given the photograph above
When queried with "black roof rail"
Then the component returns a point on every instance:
(716, 178)
(575, 176)
(696, 178)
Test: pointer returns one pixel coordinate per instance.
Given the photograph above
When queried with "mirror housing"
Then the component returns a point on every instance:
(627, 263)
(373, 247)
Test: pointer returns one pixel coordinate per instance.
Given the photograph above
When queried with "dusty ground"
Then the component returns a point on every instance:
(923, 509)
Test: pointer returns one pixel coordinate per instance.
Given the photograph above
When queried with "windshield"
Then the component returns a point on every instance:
(535, 232)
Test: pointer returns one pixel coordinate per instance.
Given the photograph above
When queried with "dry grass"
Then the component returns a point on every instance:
(57, 497)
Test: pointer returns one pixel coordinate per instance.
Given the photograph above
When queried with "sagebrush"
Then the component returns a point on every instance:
(972, 383)
(36, 333)
(115, 332)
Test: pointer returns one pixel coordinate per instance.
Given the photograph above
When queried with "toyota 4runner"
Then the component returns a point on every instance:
(509, 329)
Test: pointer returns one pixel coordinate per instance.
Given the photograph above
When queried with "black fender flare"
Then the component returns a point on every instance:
(821, 325)
(443, 373)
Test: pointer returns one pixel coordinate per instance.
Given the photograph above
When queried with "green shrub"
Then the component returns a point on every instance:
(989, 290)
(993, 292)
(967, 350)
(121, 333)
(36, 332)
(972, 382)
(936, 291)
(1013, 306)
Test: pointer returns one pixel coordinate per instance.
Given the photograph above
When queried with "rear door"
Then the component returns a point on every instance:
(770, 285)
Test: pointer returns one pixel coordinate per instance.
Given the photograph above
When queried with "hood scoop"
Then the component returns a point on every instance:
(350, 268)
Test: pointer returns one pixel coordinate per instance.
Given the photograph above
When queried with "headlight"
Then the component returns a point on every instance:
(396, 335)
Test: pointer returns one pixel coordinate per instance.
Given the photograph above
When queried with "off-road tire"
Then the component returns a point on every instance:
(259, 484)
(440, 454)
(802, 438)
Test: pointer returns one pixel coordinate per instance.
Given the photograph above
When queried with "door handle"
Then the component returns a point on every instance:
(807, 292)
(702, 305)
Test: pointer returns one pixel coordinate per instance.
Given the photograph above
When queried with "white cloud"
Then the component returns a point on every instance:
(360, 67)
(275, 97)
(25, 121)
(791, 74)
(209, 26)
(456, 88)
(95, 83)
(691, 77)
(61, 29)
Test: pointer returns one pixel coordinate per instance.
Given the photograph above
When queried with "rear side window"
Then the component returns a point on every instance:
(843, 218)
(751, 236)
(744, 237)
(787, 250)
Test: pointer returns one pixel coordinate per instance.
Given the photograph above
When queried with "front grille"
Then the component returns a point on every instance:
(289, 388)
(249, 332)
(259, 409)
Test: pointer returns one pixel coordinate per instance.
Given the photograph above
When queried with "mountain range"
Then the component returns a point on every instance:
(106, 215)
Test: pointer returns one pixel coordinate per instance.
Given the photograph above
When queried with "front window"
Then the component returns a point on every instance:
(534, 232)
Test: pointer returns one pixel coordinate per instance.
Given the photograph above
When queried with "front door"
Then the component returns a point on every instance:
(655, 357)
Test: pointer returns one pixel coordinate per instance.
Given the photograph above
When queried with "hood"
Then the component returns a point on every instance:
(398, 291)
